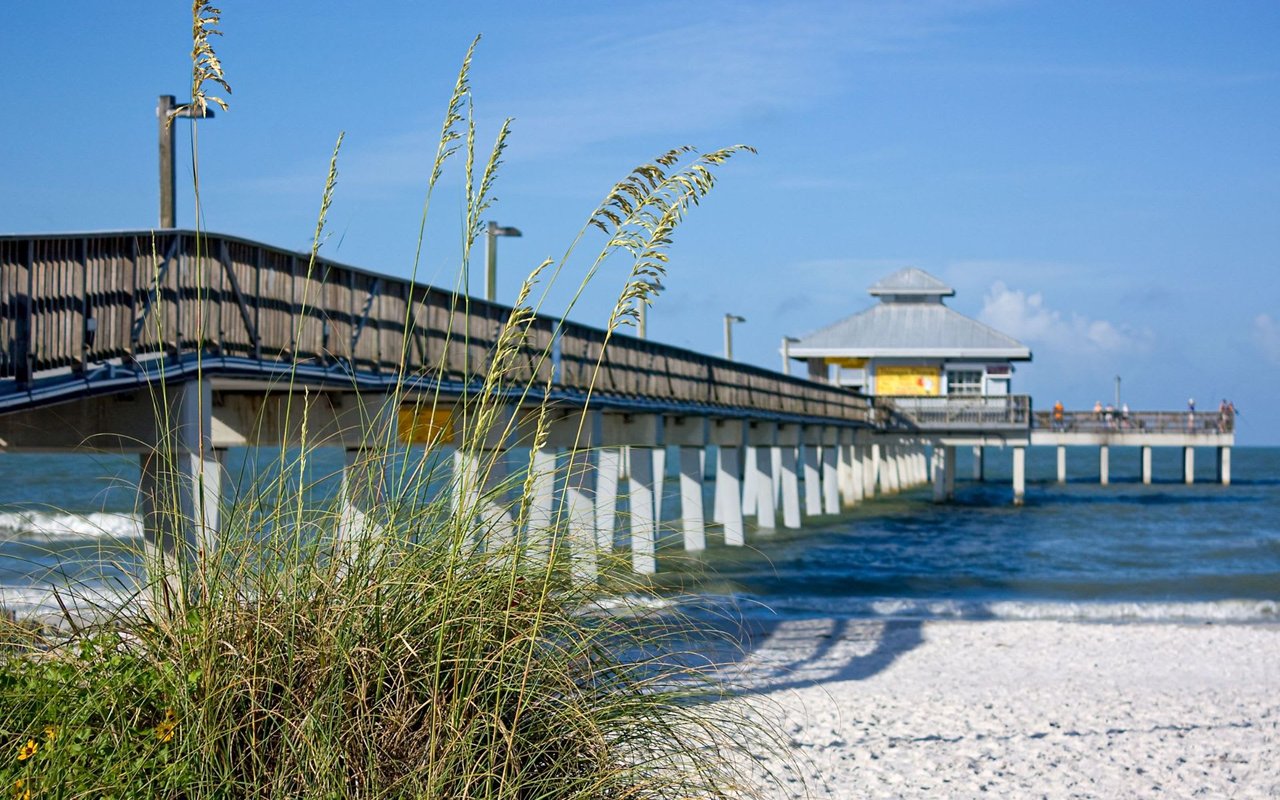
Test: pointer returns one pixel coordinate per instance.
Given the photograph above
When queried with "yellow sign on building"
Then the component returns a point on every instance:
(908, 380)
(425, 425)
(848, 363)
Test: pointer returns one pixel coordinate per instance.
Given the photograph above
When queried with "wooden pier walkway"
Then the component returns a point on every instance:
(90, 322)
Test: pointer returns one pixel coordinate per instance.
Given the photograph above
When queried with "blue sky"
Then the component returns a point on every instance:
(1099, 179)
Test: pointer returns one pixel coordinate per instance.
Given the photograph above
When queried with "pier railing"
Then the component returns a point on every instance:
(1180, 422)
(71, 304)
(954, 412)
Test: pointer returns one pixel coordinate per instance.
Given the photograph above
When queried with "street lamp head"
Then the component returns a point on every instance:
(734, 318)
(495, 229)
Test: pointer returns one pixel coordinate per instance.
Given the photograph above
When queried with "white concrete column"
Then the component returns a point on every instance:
(691, 519)
(1189, 465)
(872, 468)
(979, 463)
(480, 496)
(1146, 464)
(775, 464)
(790, 486)
(812, 481)
(728, 467)
(659, 482)
(888, 472)
(642, 521)
(750, 480)
(831, 479)
(766, 512)
(1062, 463)
(580, 515)
(181, 485)
(845, 456)
(1224, 465)
(939, 470)
(950, 464)
(922, 466)
(608, 468)
(1019, 475)
(858, 470)
(538, 533)
(1104, 465)
(363, 490)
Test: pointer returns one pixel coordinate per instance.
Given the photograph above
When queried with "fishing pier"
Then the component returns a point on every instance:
(122, 341)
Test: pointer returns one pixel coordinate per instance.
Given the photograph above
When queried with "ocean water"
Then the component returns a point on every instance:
(1081, 551)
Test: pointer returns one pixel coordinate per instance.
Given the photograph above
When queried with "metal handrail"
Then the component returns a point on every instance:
(70, 303)
(954, 411)
(1118, 421)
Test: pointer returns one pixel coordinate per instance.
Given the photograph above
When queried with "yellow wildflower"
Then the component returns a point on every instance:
(28, 750)
(164, 731)
(19, 792)
(50, 733)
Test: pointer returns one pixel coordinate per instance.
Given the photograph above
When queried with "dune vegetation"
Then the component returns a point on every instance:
(409, 652)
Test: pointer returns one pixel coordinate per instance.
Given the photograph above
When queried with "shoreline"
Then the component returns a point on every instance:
(1015, 708)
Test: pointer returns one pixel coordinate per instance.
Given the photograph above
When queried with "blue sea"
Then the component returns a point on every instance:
(1074, 551)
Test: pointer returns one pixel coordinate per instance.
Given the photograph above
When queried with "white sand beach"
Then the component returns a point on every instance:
(1020, 709)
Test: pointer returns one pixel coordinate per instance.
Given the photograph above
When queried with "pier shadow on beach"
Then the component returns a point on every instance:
(761, 656)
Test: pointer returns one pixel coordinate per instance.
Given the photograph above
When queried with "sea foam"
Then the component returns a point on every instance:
(56, 525)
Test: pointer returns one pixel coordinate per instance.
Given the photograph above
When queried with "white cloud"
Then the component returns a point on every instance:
(1025, 316)
(1265, 331)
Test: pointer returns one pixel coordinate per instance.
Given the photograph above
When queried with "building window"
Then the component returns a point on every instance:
(964, 381)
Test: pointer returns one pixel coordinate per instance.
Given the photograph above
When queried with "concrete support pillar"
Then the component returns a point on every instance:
(858, 465)
(950, 463)
(1146, 465)
(538, 533)
(750, 479)
(642, 519)
(728, 487)
(1189, 465)
(659, 482)
(1062, 463)
(790, 486)
(1104, 465)
(608, 468)
(870, 469)
(812, 481)
(181, 485)
(762, 466)
(979, 463)
(922, 466)
(691, 518)
(831, 479)
(939, 470)
(845, 456)
(1224, 465)
(580, 515)
(363, 492)
(775, 464)
(888, 469)
(480, 499)
(1019, 475)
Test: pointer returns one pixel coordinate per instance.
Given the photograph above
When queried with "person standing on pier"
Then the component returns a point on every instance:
(1058, 415)
(1191, 413)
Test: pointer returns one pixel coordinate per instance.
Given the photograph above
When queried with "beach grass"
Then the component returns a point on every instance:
(404, 647)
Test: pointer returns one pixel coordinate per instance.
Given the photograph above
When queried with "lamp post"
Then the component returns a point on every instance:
(1117, 392)
(165, 106)
(729, 319)
(642, 310)
(492, 232)
(786, 353)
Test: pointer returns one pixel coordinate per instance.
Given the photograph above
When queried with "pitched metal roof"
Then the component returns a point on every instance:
(911, 281)
(912, 330)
